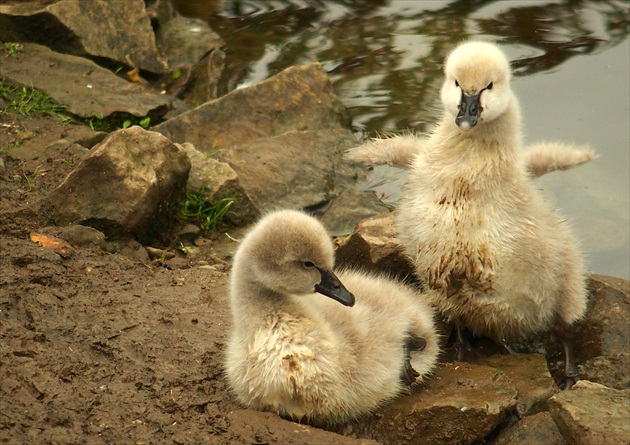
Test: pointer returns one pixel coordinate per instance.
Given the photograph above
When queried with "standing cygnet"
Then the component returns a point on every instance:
(472, 221)
(324, 360)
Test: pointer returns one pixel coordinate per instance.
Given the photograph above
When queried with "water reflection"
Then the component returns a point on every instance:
(385, 61)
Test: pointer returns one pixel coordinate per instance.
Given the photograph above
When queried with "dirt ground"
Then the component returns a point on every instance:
(99, 347)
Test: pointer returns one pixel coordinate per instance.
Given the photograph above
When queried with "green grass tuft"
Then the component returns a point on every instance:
(197, 209)
(31, 102)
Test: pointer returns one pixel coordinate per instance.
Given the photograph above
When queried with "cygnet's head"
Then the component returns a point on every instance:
(290, 252)
(477, 85)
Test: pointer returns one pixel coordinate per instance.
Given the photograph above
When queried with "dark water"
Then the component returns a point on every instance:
(570, 59)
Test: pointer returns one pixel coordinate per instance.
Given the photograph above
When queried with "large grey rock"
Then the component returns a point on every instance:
(115, 30)
(537, 429)
(298, 98)
(461, 404)
(299, 169)
(86, 88)
(216, 180)
(592, 414)
(250, 426)
(120, 185)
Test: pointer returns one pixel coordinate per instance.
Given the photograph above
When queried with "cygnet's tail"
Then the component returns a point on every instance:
(545, 157)
(397, 151)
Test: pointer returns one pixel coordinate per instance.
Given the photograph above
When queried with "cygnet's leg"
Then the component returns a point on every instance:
(564, 333)
(463, 349)
(413, 343)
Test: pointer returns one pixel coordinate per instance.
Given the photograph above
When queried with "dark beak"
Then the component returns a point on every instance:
(469, 111)
(332, 287)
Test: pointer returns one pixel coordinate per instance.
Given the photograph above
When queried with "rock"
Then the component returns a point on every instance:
(87, 89)
(530, 376)
(298, 169)
(216, 180)
(461, 404)
(373, 246)
(604, 330)
(203, 85)
(61, 148)
(298, 98)
(119, 187)
(78, 235)
(189, 233)
(133, 250)
(118, 31)
(592, 414)
(186, 40)
(43, 143)
(537, 429)
(610, 370)
(258, 427)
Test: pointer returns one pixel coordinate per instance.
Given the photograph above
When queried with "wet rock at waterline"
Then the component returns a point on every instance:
(216, 180)
(118, 31)
(203, 84)
(592, 414)
(298, 98)
(194, 58)
(120, 185)
(87, 89)
(185, 41)
(300, 169)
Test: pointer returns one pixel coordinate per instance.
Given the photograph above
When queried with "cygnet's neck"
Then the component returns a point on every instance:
(253, 299)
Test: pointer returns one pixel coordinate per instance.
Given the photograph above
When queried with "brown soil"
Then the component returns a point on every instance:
(99, 347)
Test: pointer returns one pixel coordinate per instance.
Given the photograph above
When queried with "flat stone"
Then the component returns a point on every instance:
(119, 31)
(531, 377)
(259, 427)
(298, 98)
(78, 235)
(461, 404)
(86, 88)
(592, 414)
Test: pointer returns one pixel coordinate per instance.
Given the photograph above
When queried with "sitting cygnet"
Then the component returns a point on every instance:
(308, 347)
(471, 219)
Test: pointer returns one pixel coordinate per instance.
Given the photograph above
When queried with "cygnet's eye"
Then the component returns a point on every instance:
(490, 85)
(456, 83)
(308, 265)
